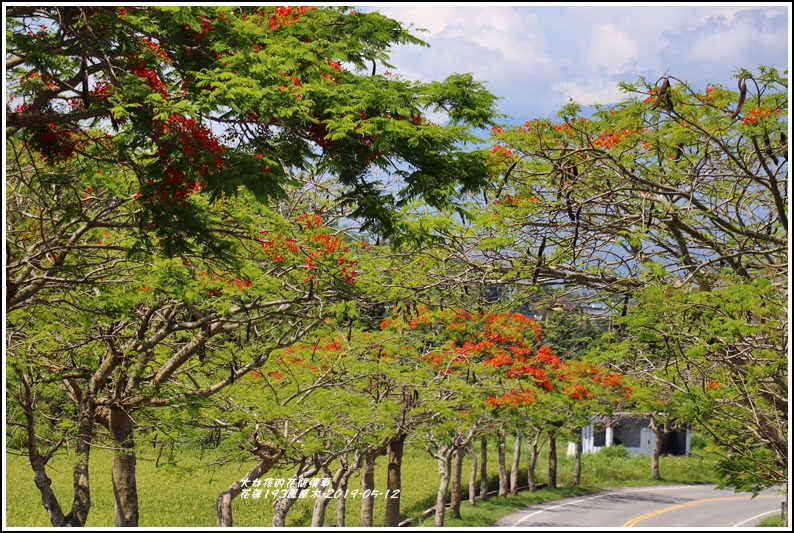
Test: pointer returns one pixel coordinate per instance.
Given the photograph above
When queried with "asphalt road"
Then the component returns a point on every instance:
(662, 506)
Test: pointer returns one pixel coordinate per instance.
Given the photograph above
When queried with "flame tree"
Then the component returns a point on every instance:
(673, 204)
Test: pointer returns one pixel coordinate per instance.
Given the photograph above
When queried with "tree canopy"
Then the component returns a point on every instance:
(203, 100)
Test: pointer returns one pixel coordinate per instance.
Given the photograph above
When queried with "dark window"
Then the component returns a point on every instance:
(628, 434)
(599, 436)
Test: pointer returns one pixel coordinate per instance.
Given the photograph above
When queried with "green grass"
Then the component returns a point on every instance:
(172, 496)
(772, 521)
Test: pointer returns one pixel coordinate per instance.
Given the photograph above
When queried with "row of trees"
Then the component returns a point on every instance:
(675, 202)
(228, 200)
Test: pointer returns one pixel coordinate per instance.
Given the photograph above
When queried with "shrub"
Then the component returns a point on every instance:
(616, 450)
(697, 442)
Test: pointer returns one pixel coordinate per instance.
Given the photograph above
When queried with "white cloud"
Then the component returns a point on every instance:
(744, 39)
(538, 56)
(494, 43)
(588, 92)
(612, 49)
(431, 18)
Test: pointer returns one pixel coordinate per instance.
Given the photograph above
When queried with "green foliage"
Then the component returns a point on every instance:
(740, 470)
(673, 201)
(615, 451)
(697, 442)
(203, 100)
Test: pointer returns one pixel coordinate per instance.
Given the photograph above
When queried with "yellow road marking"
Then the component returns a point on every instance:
(634, 521)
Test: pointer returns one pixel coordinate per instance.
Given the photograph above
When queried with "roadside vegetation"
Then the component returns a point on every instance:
(182, 493)
(772, 521)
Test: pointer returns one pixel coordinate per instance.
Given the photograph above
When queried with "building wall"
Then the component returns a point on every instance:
(635, 434)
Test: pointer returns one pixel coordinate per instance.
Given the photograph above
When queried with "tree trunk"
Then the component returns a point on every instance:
(223, 505)
(82, 493)
(368, 484)
(320, 504)
(532, 445)
(444, 466)
(393, 481)
(657, 452)
(44, 484)
(343, 473)
(282, 505)
(457, 474)
(577, 458)
(473, 475)
(514, 468)
(503, 482)
(81, 503)
(485, 485)
(341, 504)
(552, 461)
(125, 490)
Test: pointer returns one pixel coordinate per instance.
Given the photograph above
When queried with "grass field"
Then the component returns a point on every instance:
(771, 521)
(183, 494)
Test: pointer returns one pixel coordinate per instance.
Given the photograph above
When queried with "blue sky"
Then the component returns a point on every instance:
(536, 57)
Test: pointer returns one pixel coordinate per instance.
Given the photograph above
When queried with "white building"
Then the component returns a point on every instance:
(633, 432)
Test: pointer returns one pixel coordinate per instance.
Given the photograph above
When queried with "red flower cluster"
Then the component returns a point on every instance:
(509, 328)
(153, 80)
(56, 142)
(760, 112)
(515, 398)
(222, 282)
(155, 47)
(545, 357)
(205, 29)
(566, 128)
(276, 249)
(505, 153)
(436, 359)
(580, 392)
(319, 134)
(34, 77)
(536, 373)
(609, 139)
(309, 220)
(316, 248)
(422, 320)
(196, 145)
(709, 96)
(481, 346)
(101, 89)
(191, 136)
(286, 15)
(499, 360)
